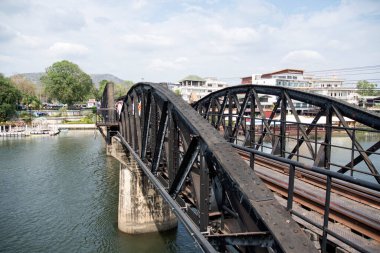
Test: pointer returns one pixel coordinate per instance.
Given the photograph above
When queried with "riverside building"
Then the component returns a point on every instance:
(295, 78)
(192, 88)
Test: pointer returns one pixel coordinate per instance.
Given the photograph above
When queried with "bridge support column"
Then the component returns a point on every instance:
(141, 207)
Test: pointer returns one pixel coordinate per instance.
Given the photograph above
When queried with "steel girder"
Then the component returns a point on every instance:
(245, 103)
(214, 192)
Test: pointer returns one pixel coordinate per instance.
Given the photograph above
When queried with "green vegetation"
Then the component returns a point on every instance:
(178, 92)
(120, 89)
(10, 96)
(366, 88)
(67, 83)
(89, 119)
(28, 92)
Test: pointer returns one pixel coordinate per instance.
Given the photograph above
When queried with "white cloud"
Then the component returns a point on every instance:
(30, 41)
(167, 39)
(62, 20)
(68, 49)
(161, 64)
(139, 4)
(234, 35)
(146, 41)
(302, 56)
(6, 58)
(6, 33)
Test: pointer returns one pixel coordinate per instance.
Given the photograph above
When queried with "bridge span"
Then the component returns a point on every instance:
(243, 176)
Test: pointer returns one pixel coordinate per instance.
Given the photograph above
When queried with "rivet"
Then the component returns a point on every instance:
(295, 230)
(282, 233)
(291, 247)
(305, 244)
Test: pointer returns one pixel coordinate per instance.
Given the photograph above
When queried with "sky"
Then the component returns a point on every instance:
(166, 40)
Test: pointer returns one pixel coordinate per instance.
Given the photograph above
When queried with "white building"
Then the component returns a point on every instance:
(192, 88)
(333, 87)
(294, 78)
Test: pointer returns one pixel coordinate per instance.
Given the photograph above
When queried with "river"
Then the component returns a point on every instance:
(60, 194)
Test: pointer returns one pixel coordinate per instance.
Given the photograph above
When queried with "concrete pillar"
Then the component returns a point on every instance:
(141, 207)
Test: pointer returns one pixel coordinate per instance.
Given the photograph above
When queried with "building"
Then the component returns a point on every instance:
(192, 88)
(295, 78)
(91, 102)
(333, 87)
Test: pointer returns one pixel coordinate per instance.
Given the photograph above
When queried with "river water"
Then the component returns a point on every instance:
(60, 194)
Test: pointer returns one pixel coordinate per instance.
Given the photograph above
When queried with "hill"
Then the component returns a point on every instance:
(96, 78)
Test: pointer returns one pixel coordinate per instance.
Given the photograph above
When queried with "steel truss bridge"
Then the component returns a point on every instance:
(207, 160)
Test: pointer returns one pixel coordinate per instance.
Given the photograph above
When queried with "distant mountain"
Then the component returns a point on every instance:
(33, 77)
(96, 78)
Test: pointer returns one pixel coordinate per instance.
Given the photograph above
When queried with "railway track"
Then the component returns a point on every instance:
(354, 206)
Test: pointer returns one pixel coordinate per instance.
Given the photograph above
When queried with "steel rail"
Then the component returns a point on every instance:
(359, 194)
(354, 220)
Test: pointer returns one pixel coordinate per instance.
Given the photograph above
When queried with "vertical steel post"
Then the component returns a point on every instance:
(154, 124)
(172, 147)
(252, 133)
(352, 153)
(204, 192)
(283, 125)
(229, 131)
(328, 136)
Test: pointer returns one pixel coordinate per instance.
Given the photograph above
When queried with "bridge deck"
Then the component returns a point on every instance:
(352, 208)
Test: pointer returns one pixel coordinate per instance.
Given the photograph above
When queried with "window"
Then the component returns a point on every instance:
(220, 85)
(209, 84)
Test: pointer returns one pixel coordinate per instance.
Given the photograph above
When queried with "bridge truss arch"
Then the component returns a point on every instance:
(216, 194)
(246, 118)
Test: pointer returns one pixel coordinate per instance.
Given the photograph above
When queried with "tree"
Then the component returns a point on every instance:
(66, 82)
(9, 98)
(28, 91)
(366, 88)
(24, 85)
(120, 89)
(100, 91)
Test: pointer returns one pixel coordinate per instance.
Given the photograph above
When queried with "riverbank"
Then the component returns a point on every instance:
(74, 126)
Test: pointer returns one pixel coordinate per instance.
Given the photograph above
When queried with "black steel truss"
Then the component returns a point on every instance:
(243, 102)
(212, 190)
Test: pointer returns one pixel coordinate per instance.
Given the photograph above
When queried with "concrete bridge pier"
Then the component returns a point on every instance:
(141, 207)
